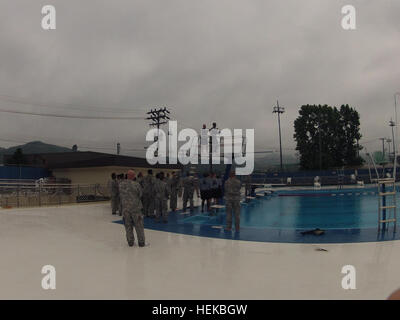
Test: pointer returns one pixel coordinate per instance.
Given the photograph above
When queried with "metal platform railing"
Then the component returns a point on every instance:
(16, 195)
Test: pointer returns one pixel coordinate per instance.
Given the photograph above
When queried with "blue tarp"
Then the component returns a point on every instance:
(15, 172)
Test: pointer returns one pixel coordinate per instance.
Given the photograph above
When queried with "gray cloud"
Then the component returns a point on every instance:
(212, 60)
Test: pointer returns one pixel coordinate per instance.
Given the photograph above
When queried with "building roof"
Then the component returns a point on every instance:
(84, 159)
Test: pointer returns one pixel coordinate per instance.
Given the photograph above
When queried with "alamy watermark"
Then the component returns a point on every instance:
(349, 280)
(49, 280)
(349, 18)
(49, 19)
(211, 145)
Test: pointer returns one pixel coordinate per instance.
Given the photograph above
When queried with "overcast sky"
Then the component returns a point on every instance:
(211, 60)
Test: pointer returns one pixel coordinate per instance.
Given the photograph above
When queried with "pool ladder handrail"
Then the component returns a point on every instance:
(380, 182)
(341, 178)
(383, 206)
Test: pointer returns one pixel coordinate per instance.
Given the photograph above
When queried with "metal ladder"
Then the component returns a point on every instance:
(385, 218)
(340, 177)
(387, 210)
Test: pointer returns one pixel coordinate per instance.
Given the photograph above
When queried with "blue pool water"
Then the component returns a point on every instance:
(348, 215)
(326, 209)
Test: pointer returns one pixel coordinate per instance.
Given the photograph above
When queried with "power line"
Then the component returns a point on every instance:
(110, 148)
(158, 117)
(256, 152)
(369, 141)
(13, 141)
(69, 106)
(58, 141)
(70, 116)
(79, 145)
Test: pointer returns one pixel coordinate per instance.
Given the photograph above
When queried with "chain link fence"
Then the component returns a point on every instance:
(16, 194)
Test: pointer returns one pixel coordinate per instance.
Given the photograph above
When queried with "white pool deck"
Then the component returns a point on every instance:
(93, 261)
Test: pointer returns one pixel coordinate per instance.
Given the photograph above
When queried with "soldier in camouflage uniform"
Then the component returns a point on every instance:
(120, 178)
(174, 189)
(161, 198)
(130, 193)
(148, 194)
(190, 184)
(114, 194)
(232, 201)
(167, 179)
(139, 179)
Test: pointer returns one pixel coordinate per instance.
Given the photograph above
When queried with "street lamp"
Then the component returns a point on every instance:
(279, 110)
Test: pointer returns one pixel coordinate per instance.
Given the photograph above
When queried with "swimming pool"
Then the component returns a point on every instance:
(306, 209)
(346, 215)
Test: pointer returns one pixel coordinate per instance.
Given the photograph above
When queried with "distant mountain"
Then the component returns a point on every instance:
(33, 147)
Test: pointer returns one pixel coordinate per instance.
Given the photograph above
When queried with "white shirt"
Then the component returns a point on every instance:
(214, 132)
(204, 136)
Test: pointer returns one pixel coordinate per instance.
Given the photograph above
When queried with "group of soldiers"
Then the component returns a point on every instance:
(210, 190)
(135, 197)
(155, 193)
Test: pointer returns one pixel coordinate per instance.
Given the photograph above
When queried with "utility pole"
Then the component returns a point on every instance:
(118, 148)
(158, 117)
(279, 110)
(393, 124)
(397, 94)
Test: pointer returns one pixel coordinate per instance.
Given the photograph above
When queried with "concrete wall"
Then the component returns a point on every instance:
(99, 175)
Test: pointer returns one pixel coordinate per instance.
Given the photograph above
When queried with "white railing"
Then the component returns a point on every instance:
(21, 194)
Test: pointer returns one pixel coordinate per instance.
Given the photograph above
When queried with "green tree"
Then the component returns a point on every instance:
(327, 137)
(349, 125)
